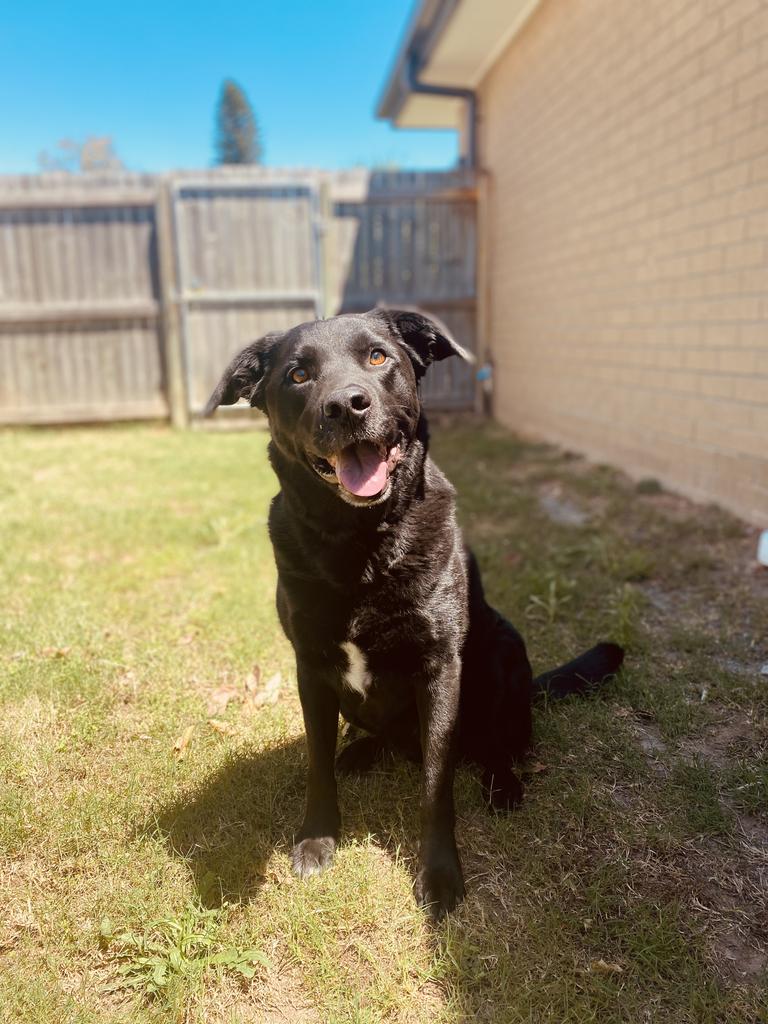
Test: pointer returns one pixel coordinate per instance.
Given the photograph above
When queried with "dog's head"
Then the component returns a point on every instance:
(341, 395)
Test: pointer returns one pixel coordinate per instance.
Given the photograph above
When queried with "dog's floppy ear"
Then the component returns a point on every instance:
(425, 338)
(244, 376)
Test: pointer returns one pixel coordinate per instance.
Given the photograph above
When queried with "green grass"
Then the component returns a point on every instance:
(143, 883)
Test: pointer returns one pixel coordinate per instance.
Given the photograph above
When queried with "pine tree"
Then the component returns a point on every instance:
(237, 137)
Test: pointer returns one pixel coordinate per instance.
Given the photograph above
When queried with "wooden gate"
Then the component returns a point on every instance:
(248, 263)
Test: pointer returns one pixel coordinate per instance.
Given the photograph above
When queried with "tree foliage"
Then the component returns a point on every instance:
(237, 136)
(96, 153)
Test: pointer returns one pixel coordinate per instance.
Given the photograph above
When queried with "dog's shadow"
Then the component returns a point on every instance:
(228, 828)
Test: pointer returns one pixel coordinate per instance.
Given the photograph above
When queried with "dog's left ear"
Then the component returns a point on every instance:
(425, 339)
(244, 376)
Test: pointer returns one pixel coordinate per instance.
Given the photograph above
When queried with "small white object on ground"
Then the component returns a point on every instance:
(762, 548)
(563, 511)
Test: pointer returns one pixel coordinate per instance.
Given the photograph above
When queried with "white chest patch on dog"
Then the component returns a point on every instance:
(357, 677)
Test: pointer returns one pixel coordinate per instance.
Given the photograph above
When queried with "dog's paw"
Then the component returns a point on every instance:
(359, 756)
(312, 856)
(502, 788)
(439, 887)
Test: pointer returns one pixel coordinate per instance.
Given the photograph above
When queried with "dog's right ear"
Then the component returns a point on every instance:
(244, 376)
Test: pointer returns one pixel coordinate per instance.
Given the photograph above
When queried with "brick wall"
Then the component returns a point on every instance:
(627, 225)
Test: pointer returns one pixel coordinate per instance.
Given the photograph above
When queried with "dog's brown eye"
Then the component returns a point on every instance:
(299, 375)
(377, 357)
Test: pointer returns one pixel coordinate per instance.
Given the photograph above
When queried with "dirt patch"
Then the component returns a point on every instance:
(652, 745)
(744, 960)
(735, 733)
(673, 506)
(658, 598)
(729, 894)
(723, 879)
(277, 999)
(282, 1001)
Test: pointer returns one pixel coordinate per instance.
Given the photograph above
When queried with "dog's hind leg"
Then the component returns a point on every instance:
(400, 737)
(360, 755)
(502, 789)
(495, 721)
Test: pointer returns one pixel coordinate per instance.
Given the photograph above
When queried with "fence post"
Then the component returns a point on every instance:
(169, 302)
(324, 262)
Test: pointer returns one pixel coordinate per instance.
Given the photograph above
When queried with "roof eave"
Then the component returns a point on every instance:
(421, 33)
(454, 43)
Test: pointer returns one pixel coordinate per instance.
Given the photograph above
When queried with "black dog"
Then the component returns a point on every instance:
(378, 595)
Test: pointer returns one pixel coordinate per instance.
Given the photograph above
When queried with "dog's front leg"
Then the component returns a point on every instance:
(439, 884)
(316, 841)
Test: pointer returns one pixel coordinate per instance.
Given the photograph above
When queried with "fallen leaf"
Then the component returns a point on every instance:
(186, 640)
(252, 680)
(270, 692)
(218, 700)
(606, 968)
(221, 727)
(181, 744)
(537, 767)
(55, 652)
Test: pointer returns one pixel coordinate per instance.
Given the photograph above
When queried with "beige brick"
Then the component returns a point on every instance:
(757, 224)
(755, 279)
(737, 13)
(754, 335)
(731, 178)
(707, 259)
(753, 86)
(744, 254)
(727, 231)
(752, 389)
(759, 422)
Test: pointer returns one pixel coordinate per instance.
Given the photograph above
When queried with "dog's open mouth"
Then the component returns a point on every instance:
(363, 470)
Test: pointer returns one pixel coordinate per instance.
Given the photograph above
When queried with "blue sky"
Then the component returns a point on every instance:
(148, 74)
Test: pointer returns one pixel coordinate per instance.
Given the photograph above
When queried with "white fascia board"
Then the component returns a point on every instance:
(473, 39)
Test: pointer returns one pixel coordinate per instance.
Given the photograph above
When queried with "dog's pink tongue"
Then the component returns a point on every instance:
(361, 469)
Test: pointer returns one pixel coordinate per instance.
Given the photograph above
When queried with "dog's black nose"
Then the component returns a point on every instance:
(352, 402)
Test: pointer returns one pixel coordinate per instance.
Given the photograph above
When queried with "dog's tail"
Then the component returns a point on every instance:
(581, 674)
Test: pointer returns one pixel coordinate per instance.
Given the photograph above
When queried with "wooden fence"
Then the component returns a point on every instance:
(123, 297)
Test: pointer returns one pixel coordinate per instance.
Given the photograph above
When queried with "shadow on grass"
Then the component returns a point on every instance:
(227, 828)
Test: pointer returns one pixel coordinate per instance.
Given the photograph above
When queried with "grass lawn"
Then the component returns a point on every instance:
(152, 757)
